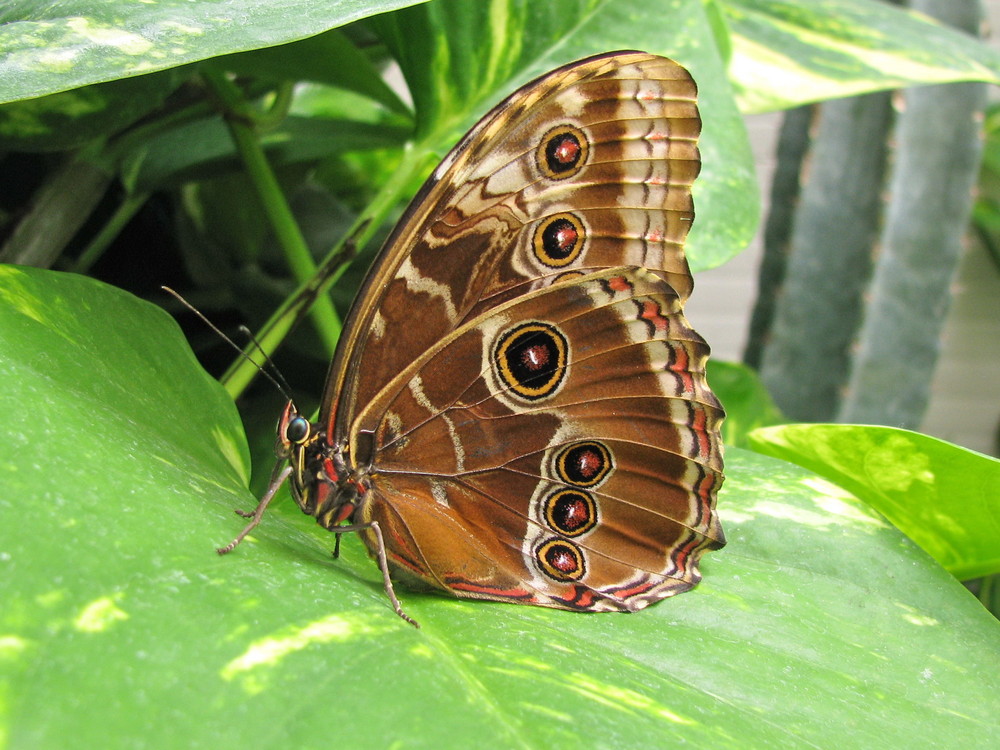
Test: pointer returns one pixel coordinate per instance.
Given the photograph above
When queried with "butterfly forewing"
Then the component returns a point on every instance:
(586, 168)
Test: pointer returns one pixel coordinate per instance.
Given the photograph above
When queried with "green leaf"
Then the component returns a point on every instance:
(940, 495)
(329, 58)
(48, 46)
(71, 119)
(747, 402)
(87, 363)
(461, 58)
(819, 625)
(787, 53)
(204, 148)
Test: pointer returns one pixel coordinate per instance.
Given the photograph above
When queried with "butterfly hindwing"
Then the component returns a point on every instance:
(578, 455)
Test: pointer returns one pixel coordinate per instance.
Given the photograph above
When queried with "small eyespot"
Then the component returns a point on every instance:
(570, 512)
(561, 560)
(585, 464)
(559, 240)
(562, 152)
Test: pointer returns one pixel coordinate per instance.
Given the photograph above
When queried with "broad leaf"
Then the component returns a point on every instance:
(819, 625)
(942, 496)
(787, 53)
(329, 58)
(748, 404)
(72, 119)
(204, 149)
(48, 46)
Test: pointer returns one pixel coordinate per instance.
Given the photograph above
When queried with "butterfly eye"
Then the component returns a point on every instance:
(297, 430)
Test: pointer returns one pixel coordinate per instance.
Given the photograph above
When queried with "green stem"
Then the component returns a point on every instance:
(279, 108)
(276, 208)
(96, 247)
(242, 371)
(136, 138)
(58, 209)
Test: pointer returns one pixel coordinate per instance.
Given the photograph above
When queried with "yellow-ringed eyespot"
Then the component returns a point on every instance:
(570, 512)
(585, 464)
(562, 152)
(531, 360)
(559, 240)
(561, 560)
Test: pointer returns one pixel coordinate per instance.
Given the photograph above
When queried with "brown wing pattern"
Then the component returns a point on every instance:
(562, 449)
(587, 168)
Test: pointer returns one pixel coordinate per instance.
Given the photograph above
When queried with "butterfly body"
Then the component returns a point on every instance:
(518, 408)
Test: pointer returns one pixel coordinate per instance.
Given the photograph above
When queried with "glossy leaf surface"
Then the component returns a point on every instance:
(942, 496)
(121, 626)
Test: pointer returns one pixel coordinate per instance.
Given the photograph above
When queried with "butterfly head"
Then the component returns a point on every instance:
(294, 433)
(321, 484)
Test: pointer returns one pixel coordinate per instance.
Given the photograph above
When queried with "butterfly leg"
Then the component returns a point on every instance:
(277, 479)
(383, 565)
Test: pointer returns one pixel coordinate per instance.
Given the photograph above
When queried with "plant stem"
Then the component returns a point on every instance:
(96, 247)
(242, 371)
(58, 209)
(239, 120)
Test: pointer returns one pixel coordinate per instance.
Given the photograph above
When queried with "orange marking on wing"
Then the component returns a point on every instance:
(462, 585)
(651, 313)
(703, 490)
(619, 284)
(636, 590)
(405, 562)
(682, 553)
(584, 598)
(700, 425)
(681, 366)
(400, 544)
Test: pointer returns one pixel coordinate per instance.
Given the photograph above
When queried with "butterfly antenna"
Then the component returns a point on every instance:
(282, 386)
(278, 379)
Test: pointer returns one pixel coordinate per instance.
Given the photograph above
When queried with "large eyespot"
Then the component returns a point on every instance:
(561, 560)
(562, 152)
(297, 430)
(531, 360)
(570, 512)
(559, 240)
(584, 464)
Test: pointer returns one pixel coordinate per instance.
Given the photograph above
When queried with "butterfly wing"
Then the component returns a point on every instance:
(586, 168)
(517, 383)
(562, 449)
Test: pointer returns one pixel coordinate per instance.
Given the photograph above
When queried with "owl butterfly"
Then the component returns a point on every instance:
(517, 409)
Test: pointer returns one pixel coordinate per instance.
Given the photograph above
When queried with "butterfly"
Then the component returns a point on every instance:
(517, 409)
